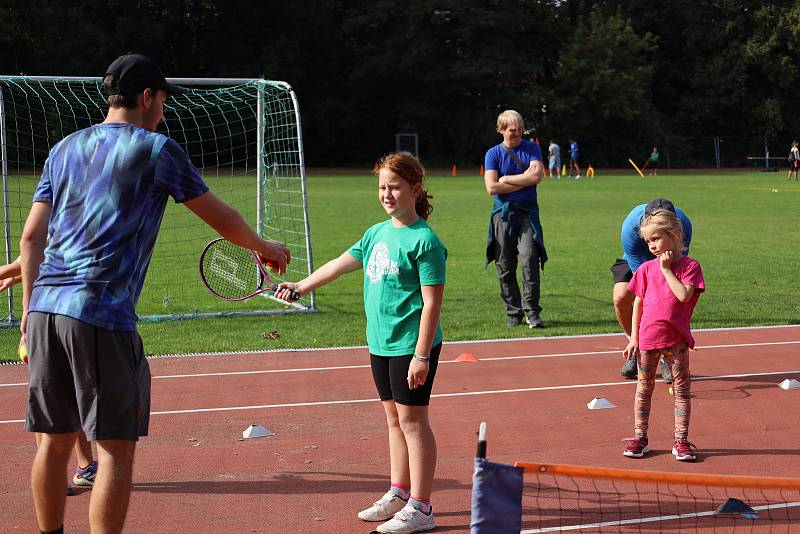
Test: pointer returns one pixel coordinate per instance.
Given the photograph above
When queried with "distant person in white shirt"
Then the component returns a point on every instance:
(554, 157)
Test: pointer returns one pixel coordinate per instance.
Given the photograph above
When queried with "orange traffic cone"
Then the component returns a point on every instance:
(482, 171)
(454, 170)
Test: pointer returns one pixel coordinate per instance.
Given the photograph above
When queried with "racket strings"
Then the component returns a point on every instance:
(230, 271)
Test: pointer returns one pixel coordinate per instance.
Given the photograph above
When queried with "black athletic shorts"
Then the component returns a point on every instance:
(621, 271)
(391, 378)
(84, 376)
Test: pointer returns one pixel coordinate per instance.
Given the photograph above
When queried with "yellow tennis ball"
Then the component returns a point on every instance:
(23, 353)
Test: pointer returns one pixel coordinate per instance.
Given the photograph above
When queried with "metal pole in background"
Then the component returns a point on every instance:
(302, 161)
(260, 174)
(4, 158)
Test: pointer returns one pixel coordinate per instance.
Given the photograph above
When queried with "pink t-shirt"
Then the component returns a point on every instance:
(665, 320)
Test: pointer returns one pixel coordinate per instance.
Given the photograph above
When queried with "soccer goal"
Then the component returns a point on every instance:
(244, 136)
(408, 142)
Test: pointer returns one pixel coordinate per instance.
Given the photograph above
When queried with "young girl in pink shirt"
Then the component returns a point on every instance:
(666, 289)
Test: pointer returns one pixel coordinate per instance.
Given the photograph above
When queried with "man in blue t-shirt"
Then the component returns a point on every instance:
(635, 253)
(101, 199)
(574, 156)
(512, 170)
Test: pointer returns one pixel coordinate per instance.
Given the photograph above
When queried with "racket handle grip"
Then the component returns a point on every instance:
(294, 295)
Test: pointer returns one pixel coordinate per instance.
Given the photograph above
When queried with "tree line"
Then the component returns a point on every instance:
(618, 76)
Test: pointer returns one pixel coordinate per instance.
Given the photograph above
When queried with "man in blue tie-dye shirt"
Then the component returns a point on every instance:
(101, 199)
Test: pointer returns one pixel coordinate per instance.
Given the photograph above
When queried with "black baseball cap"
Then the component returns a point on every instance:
(658, 204)
(133, 73)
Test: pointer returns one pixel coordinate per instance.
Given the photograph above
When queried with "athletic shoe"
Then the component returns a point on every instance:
(578, 177)
(408, 520)
(534, 321)
(682, 450)
(383, 508)
(629, 368)
(637, 447)
(85, 476)
(514, 320)
(666, 372)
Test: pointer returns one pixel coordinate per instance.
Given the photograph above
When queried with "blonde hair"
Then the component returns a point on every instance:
(666, 222)
(507, 117)
(407, 166)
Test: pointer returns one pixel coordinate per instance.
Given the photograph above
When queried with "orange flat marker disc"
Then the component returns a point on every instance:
(466, 357)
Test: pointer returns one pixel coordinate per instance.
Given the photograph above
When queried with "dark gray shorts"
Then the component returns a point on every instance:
(621, 271)
(84, 376)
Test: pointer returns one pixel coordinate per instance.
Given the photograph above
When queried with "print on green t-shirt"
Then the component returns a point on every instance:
(397, 263)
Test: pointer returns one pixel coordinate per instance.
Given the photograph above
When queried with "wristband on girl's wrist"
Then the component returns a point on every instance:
(422, 358)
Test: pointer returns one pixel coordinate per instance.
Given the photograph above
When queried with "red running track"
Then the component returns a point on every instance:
(329, 455)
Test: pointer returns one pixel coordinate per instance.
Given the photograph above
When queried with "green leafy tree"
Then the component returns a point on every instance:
(771, 52)
(604, 80)
(446, 69)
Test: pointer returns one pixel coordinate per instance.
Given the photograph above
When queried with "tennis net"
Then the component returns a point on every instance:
(562, 498)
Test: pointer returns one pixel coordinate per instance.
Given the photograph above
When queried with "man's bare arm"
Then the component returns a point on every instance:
(31, 246)
(495, 187)
(232, 226)
(531, 176)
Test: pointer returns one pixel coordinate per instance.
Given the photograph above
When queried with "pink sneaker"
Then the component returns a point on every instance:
(637, 447)
(682, 450)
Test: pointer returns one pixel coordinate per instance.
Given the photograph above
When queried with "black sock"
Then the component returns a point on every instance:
(59, 530)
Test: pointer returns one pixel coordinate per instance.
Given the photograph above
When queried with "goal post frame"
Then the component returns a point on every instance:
(398, 144)
(6, 215)
(260, 173)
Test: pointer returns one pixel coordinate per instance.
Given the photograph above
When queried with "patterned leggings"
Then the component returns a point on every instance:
(678, 358)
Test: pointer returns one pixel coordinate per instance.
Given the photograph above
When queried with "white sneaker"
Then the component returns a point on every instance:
(578, 177)
(408, 520)
(383, 508)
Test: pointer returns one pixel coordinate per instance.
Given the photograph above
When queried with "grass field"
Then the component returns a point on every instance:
(746, 236)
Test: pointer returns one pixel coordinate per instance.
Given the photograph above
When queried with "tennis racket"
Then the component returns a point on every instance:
(234, 273)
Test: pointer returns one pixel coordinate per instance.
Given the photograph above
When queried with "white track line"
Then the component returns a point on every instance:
(473, 341)
(483, 359)
(438, 395)
(648, 519)
(463, 342)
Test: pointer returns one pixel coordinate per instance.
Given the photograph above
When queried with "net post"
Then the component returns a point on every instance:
(260, 174)
(481, 450)
(304, 189)
(6, 219)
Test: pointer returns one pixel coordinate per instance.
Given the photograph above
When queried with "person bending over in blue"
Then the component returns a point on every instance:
(635, 253)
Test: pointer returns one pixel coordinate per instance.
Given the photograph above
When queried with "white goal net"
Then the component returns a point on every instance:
(245, 138)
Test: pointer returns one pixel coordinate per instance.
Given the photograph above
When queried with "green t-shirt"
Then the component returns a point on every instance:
(397, 262)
